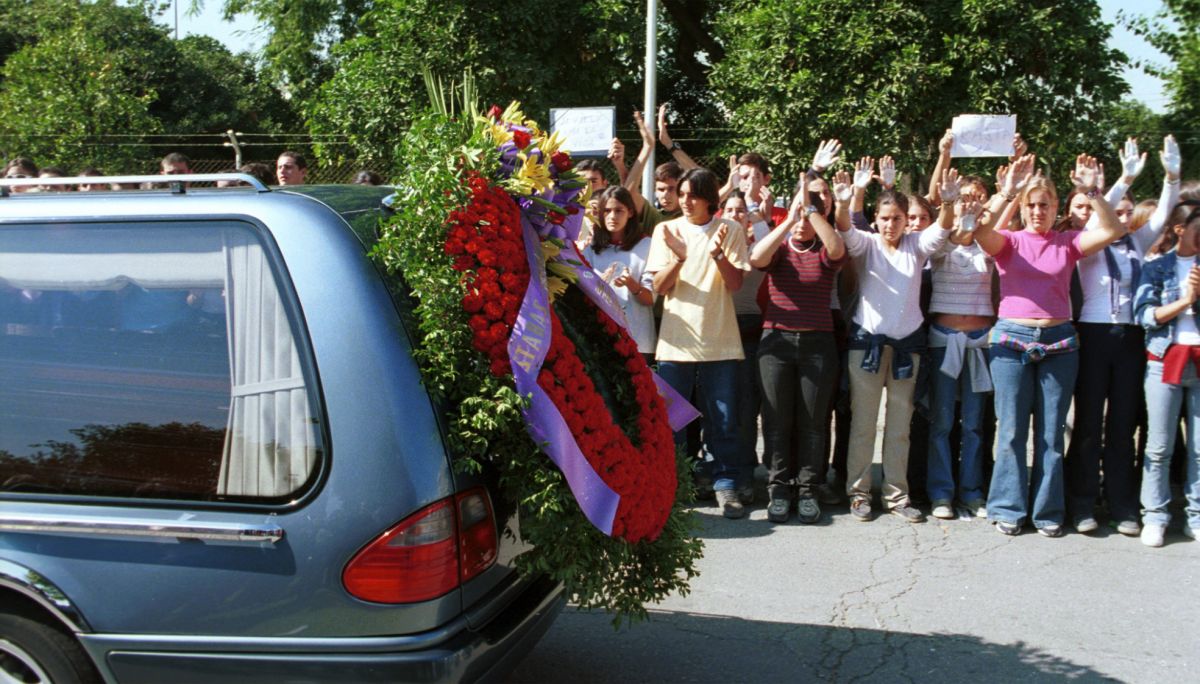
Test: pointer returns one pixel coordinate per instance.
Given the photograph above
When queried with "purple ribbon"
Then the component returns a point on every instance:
(527, 349)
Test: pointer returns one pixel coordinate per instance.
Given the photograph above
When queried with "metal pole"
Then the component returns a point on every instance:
(651, 91)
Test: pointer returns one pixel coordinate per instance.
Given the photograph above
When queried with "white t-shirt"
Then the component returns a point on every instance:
(890, 280)
(745, 300)
(639, 317)
(1185, 323)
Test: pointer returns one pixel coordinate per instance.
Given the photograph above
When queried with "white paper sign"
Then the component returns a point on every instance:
(585, 130)
(983, 135)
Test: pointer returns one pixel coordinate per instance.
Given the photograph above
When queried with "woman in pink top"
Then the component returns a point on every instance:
(1033, 345)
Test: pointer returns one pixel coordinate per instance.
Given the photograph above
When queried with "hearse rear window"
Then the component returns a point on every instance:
(154, 361)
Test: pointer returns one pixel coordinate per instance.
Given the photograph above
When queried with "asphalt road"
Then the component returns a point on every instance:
(890, 601)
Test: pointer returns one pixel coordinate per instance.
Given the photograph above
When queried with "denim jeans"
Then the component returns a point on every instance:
(717, 385)
(1112, 361)
(945, 391)
(1041, 389)
(798, 370)
(1163, 402)
(749, 395)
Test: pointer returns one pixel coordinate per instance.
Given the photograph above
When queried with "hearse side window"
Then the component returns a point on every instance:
(152, 361)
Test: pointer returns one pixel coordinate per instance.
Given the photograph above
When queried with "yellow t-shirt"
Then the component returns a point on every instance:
(699, 322)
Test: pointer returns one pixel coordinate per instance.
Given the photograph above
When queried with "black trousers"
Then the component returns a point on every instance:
(797, 371)
(1112, 367)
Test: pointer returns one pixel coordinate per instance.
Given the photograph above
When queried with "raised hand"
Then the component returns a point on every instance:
(609, 273)
(1019, 148)
(1131, 163)
(863, 172)
(827, 155)
(716, 244)
(616, 152)
(1020, 172)
(674, 242)
(663, 136)
(947, 142)
(966, 213)
(1171, 160)
(887, 172)
(1087, 173)
(950, 185)
(643, 130)
(765, 201)
(625, 279)
(1191, 286)
(843, 190)
(735, 176)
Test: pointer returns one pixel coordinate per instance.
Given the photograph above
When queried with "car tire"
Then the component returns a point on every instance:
(33, 650)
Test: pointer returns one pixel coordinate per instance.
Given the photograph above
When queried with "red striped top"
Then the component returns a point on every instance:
(799, 286)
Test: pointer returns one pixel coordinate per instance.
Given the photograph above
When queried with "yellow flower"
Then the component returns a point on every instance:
(551, 144)
(533, 176)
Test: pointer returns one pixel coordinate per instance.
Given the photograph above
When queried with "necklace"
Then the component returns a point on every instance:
(792, 245)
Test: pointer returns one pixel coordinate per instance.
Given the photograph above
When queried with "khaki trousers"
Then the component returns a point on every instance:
(866, 389)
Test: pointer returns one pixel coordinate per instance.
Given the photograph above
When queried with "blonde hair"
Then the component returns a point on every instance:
(1142, 212)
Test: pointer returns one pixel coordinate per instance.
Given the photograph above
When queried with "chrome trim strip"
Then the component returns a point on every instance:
(43, 592)
(159, 181)
(141, 527)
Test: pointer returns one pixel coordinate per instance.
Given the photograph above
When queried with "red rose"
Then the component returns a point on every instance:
(521, 139)
(495, 113)
(556, 218)
(561, 161)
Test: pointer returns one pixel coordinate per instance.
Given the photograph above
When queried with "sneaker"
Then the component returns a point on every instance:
(829, 495)
(807, 510)
(1152, 535)
(1052, 531)
(727, 501)
(861, 509)
(943, 510)
(1129, 528)
(778, 509)
(704, 488)
(1086, 525)
(745, 494)
(1190, 532)
(908, 512)
(978, 508)
(1008, 528)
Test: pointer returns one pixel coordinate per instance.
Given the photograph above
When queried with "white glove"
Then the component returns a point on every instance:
(1171, 160)
(1131, 163)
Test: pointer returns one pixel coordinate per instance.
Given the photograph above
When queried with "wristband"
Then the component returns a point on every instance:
(719, 256)
(1093, 193)
(752, 207)
(809, 210)
(1007, 197)
(675, 145)
(1172, 182)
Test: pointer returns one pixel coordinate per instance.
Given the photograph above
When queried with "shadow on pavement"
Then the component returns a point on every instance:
(684, 647)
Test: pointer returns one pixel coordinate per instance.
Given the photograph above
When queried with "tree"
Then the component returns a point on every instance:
(591, 56)
(887, 76)
(83, 74)
(64, 91)
(1175, 31)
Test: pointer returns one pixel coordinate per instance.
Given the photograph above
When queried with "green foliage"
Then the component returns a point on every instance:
(1175, 31)
(887, 76)
(544, 53)
(483, 413)
(78, 71)
(62, 91)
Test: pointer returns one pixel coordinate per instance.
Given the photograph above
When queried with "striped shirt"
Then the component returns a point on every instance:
(962, 280)
(798, 288)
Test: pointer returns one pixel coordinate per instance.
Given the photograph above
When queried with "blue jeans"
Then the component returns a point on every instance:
(945, 391)
(1041, 389)
(1162, 407)
(717, 382)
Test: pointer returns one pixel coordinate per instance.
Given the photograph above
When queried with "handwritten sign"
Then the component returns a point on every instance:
(983, 135)
(585, 130)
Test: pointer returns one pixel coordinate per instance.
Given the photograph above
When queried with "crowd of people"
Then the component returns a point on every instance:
(291, 168)
(976, 305)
